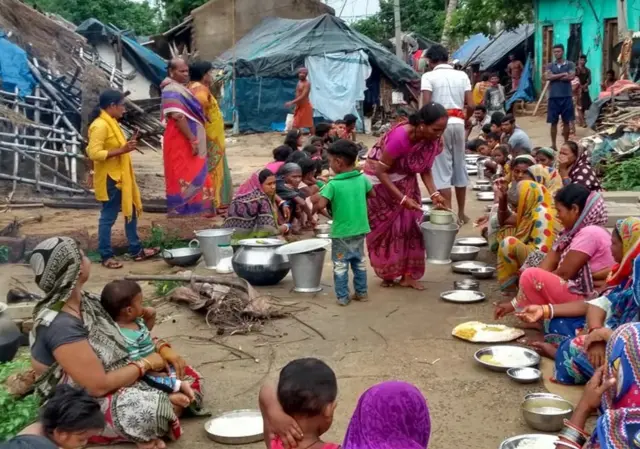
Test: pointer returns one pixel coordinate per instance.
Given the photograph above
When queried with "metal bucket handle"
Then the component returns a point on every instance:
(167, 254)
(196, 242)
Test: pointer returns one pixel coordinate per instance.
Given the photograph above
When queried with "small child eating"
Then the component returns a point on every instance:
(123, 302)
(307, 392)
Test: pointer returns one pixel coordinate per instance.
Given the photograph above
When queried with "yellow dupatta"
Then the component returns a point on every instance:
(535, 217)
(127, 184)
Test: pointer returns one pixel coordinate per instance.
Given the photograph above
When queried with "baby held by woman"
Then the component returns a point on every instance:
(123, 302)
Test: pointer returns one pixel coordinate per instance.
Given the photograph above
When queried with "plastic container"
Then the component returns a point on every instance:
(225, 253)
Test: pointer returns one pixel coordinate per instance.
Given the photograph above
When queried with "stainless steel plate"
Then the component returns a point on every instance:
(486, 196)
(463, 296)
(303, 246)
(471, 241)
(514, 442)
(224, 428)
(467, 265)
(505, 357)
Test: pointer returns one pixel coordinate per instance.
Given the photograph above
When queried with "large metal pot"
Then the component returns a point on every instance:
(438, 241)
(208, 240)
(256, 261)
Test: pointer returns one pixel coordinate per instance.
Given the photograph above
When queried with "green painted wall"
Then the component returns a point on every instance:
(562, 13)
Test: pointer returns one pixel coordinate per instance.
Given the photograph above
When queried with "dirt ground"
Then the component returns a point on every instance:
(399, 334)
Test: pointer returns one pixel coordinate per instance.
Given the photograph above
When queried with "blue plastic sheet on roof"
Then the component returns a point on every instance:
(146, 61)
(468, 49)
(526, 90)
(14, 70)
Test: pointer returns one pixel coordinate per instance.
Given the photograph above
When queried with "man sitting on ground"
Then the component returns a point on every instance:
(513, 134)
(479, 120)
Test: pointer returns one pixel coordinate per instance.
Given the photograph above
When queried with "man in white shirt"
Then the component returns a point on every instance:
(452, 89)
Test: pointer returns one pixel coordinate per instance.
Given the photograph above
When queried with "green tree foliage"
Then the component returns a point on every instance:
(175, 11)
(425, 17)
(140, 17)
(482, 16)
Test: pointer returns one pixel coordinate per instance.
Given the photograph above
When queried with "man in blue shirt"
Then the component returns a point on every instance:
(559, 74)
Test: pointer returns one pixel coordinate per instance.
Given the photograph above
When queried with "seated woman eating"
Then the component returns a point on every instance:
(498, 226)
(288, 180)
(76, 341)
(254, 210)
(574, 166)
(545, 156)
(535, 221)
(577, 358)
(582, 248)
(613, 391)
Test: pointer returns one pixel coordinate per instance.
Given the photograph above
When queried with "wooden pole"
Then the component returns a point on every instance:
(542, 95)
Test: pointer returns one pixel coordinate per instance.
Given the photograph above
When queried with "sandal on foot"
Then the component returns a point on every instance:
(112, 264)
(145, 254)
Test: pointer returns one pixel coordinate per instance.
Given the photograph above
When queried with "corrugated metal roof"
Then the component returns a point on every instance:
(501, 45)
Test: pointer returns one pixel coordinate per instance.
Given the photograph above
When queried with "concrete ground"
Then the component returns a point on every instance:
(400, 334)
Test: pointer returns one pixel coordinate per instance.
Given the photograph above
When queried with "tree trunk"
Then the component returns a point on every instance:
(446, 32)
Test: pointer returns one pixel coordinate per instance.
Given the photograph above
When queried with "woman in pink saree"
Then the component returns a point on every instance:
(396, 249)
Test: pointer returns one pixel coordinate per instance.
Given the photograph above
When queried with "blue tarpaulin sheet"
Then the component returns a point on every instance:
(259, 102)
(525, 91)
(14, 70)
(468, 49)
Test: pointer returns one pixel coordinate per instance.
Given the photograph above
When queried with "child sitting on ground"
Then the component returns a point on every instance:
(498, 165)
(482, 148)
(493, 140)
(350, 121)
(486, 129)
(347, 192)
(307, 392)
(123, 302)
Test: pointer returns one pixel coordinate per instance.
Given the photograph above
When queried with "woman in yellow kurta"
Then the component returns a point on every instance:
(113, 180)
(200, 76)
(535, 231)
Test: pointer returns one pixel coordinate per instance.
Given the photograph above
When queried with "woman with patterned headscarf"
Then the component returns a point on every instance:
(74, 340)
(613, 390)
(577, 358)
(534, 231)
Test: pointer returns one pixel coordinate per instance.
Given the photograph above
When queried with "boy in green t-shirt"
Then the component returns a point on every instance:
(347, 193)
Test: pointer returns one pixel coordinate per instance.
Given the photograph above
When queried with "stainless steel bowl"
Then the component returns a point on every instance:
(483, 273)
(253, 433)
(466, 284)
(514, 442)
(182, 257)
(541, 395)
(506, 357)
(486, 196)
(484, 188)
(524, 375)
(546, 414)
(322, 229)
(485, 182)
(460, 253)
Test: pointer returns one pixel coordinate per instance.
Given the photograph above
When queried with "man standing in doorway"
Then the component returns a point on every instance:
(514, 70)
(559, 74)
(452, 89)
(303, 114)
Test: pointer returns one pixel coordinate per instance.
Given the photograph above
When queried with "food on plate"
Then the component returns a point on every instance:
(536, 443)
(478, 332)
(466, 333)
(506, 358)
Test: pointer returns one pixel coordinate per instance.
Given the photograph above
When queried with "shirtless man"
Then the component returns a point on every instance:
(514, 70)
(303, 114)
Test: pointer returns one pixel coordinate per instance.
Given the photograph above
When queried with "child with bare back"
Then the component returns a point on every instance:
(123, 302)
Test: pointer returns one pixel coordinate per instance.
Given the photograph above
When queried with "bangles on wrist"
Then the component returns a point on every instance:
(403, 200)
(434, 194)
